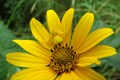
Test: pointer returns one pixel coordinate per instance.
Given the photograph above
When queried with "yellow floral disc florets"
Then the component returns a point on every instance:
(63, 58)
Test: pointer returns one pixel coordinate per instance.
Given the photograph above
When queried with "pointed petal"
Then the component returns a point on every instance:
(67, 24)
(87, 61)
(34, 48)
(44, 73)
(82, 29)
(26, 60)
(39, 31)
(99, 51)
(72, 75)
(67, 20)
(88, 74)
(53, 21)
(94, 38)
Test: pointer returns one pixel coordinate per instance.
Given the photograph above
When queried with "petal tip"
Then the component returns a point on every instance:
(49, 11)
(90, 14)
(110, 30)
(114, 50)
(15, 41)
(98, 62)
(7, 55)
(32, 20)
(72, 9)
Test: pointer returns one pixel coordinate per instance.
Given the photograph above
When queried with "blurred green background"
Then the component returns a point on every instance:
(15, 16)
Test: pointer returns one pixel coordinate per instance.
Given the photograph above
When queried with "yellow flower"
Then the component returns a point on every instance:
(54, 57)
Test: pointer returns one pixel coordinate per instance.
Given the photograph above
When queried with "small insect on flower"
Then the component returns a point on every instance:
(53, 56)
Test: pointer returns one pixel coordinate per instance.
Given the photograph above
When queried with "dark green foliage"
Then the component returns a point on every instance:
(6, 46)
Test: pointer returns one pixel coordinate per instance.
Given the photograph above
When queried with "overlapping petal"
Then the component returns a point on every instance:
(88, 74)
(39, 31)
(34, 48)
(53, 21)
(87, 61)
(26, 60)
(67, 25)
(94, 38)
(82, 29)
(67, 20)
(99, 51)
(72, 75)
(43, 73)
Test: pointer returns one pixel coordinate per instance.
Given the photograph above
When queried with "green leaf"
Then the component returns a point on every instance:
(97, 25)
(113, 41)
(114, 61)
(6, 46)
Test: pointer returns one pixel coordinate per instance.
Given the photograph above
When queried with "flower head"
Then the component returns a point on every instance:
(54, 56)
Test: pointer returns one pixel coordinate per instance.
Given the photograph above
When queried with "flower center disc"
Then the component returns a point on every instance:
(63, 58)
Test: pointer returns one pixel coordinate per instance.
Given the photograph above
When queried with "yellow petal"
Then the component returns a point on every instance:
(53, 21)
(88, 74)
(82, 29)
(67, 24)
(58, 77)
(87, 61)
(72, 75)
(39, 31)
(46, 45)
(26, 60)
(47, 74)
(44, 73)
(66, 37)
(67, 20)
(34, 48)
(94, 38)
(99, 51)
